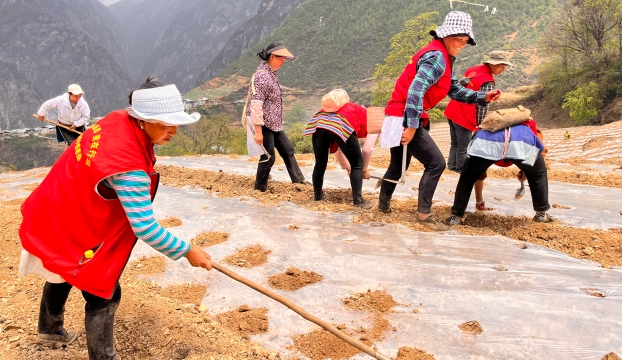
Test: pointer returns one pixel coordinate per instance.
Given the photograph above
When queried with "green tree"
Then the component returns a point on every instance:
(404, 45)
(583, 103)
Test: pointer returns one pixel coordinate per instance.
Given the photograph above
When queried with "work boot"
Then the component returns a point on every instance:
(367, 204)
(64, 337)
(432, 222)
(384, 207)
(453, 220)
(323, 196)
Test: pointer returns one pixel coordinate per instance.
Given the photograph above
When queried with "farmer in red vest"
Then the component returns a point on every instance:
(464, 118)
(426, 80)
(107, 182)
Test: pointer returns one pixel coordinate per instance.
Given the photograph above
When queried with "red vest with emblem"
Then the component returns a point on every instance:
(463, 114)
(72, 211)
(436, 92)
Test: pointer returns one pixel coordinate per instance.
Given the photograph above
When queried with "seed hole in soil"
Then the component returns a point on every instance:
(294, 279)
(294, 227)
(471, 327)
(245, 320)
(594, 292)
(375, 301)
(500, 268)
(207, 238)
(248, 257)
(563, 207)
(408, 353)
(170, 222)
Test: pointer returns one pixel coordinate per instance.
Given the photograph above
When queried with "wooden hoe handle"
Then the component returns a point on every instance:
(58, 124)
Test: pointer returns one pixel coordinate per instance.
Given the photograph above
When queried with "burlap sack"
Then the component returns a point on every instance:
(375, 117)
(501, 119)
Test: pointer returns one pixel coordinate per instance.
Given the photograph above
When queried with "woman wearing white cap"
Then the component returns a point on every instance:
(107, 181)
(427, 79)
(73, 112)
(265, 115)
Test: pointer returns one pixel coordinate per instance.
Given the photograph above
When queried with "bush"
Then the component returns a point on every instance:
(583, 102)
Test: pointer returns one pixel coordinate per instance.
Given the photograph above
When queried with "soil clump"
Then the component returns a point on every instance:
(154, 265)
(245, 320)
(408, 353)
(186, 293)
(249, 257)
(374, 301)
(170, 222)
(209, 238)
(294, 279)
(611, 356)
(471, 327)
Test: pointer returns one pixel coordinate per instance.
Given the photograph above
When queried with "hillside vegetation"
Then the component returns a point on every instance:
(340, 43)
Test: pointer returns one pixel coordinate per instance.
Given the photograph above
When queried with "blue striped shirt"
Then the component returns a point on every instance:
(430, 68)
(133, 190)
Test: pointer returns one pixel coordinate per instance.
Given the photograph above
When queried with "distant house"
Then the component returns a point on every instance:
(238, 102)
(188, 104)
(202, 101)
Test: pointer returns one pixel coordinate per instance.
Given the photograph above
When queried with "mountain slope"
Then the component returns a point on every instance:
(268, 18)
(339, 43)
(19, 99)
(195, 37)
(121, 9)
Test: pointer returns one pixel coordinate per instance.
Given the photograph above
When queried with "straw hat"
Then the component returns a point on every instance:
(456, 23)
(335, 100)
(161, 104)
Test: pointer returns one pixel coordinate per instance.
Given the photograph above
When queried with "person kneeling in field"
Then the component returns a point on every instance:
(81, 224)
(518, 145)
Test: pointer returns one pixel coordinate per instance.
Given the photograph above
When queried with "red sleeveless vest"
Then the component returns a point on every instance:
(436, 92)
(463, 114)
(97, 221)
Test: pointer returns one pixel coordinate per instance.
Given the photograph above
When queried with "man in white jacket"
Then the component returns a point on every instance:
(73, 112)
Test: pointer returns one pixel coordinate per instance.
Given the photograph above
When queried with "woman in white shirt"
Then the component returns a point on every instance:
(73, 112)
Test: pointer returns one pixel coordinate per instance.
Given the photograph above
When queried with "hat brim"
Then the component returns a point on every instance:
(495, 62)
(169, 119)
(470, 42)
(284, 53)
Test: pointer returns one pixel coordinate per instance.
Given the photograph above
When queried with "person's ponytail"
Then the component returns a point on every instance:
(263, 55)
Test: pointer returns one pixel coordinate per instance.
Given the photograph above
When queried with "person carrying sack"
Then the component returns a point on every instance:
(108, 182)
(73, 112)
(264, 115)
(464, 118)
(425, 81)
(519, 144)
(335, 126)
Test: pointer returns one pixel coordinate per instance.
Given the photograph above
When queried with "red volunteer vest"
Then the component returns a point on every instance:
(463, 114)
(436, 92)
(66, 215)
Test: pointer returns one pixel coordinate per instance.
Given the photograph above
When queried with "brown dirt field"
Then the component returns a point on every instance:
(611, 356)
(186, 293)
(407, 353)
(153, 265)
(598, 142)
(581, 161)
(574, 241)
(375, 301)
(245, 321)
(209, 238)
(249, 257)
(148, 325)
(571, 177)
(294, 279)
(321, 344)
(170, 222)
(29, 187)
(471, 327)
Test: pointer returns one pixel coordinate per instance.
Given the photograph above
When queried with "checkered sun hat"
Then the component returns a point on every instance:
(161, 104)
(456, 22)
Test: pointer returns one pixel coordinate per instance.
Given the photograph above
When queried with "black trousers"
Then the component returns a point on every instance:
(98, 320)
(460, 139)
(68, 136)
(278, 140)
(537, 178)
(424, 149)
(351, 149)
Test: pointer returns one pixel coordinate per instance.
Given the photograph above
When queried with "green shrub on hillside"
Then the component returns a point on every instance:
(583, 103)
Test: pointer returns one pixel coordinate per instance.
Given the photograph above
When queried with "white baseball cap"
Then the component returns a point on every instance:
(75, 89)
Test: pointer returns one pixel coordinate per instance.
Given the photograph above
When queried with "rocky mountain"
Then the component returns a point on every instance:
(121, 9)
(19, 99)
(50, 45)
(269, 17)
(194, 38)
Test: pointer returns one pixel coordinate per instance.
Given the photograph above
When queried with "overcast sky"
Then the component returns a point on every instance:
(108, 2)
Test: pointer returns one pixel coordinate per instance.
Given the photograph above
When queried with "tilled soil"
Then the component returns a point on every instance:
(471, 327)
(245, 321)
(376, 301)
(611, 356)
(186, 293)
(604, 247)
(408, 353)
(209, 238)
(249, 257)
(294, 279)
(148, 324)
(170, 222)
(148, 265)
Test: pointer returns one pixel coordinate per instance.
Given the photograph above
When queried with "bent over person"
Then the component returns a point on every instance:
(73, 112)
(425, 81)
(265, 112)
(108, 179)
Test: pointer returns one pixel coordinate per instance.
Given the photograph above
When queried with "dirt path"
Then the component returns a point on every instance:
(604, 247)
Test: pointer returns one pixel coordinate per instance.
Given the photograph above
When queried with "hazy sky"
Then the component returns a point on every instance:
(108, 2)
